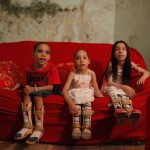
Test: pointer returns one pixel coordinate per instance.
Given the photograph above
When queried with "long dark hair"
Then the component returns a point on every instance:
(127, 64)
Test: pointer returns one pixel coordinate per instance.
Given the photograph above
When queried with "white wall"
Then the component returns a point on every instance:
(132, 24)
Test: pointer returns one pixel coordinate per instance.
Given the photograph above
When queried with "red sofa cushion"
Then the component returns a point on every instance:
(64, 69)
(10, 74)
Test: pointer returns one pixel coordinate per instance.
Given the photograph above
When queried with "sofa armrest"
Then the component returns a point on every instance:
(147, 144)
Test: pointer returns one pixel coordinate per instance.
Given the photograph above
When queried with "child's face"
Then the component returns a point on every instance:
(81, 60)
(120, 52)
(42, 55)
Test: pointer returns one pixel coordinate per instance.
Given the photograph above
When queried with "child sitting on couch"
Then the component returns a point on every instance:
(117, 77)
(41, 77)
(79, 91)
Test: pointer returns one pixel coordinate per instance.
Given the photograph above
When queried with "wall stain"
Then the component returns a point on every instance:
(36, 10)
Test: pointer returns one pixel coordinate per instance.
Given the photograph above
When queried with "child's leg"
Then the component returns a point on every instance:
(39, 116)
(133, 114)
(76, 126)
(114, 94)
(87, 113)
(27, 119)
(120, 113)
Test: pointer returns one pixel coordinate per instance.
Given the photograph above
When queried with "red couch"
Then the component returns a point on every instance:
(57, 120)
(147, 144)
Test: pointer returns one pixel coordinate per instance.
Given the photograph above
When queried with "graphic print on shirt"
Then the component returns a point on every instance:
(38, 78)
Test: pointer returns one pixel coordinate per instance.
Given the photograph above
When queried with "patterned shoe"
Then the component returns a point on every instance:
(23, 133)
(86, 134)
(76, 133)
(35, 137)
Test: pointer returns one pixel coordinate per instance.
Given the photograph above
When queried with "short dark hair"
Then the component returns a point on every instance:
(39, 43)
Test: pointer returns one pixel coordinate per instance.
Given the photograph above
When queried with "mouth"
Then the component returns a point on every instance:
(121, 55)
(82, 65)
(42, 59)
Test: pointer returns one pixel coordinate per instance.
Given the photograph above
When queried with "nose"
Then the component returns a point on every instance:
(81, 60)
(120, 50)
(43, 54)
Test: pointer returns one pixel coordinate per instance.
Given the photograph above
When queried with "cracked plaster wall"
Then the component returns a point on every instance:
(70, 20)
(99, 21)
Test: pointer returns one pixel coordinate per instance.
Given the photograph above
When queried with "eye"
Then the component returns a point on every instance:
(84, 57)
(77, 58)
(116, 49)
(47, 52)
(39, 50)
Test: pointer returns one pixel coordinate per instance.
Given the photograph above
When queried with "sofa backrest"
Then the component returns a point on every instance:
(62, 52)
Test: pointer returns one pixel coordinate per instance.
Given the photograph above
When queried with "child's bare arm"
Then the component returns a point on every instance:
(145, 74)
(29, 89)
(97, 91)
(127, 89)
(72, 107)
(130, 92)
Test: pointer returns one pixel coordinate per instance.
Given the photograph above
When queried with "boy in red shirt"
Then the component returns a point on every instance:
(41, 77)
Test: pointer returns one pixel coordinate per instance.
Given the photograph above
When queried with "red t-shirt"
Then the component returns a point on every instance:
(47, 76)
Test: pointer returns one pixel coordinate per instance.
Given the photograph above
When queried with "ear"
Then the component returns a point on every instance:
(89, 61)
(33, 55)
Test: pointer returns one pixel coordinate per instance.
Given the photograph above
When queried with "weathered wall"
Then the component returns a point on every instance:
(99, 21)
(61, 20)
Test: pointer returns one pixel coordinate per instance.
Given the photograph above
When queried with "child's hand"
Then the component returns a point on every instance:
(129, 91)
(140, 81)
(98, 93)
(28, 89)
(73, 109)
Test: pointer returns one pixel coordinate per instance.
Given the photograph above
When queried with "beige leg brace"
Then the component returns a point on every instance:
(86, 128)
(76, 126)
(38, 128)
(27, 119)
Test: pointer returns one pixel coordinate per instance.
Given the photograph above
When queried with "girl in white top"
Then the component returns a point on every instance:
(79, 91)
(117, 77)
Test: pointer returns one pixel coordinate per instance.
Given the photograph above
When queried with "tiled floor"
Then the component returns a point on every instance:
(5, 145)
